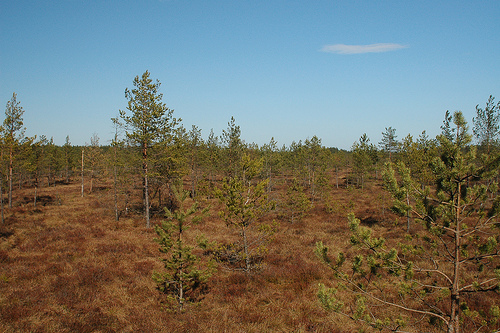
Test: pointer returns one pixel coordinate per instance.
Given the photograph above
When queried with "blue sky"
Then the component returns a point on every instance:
(284, 69)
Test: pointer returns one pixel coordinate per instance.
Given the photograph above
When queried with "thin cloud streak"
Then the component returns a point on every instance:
(357, 49)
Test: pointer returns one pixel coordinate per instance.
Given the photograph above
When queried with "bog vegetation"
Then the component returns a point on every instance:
(164, 231)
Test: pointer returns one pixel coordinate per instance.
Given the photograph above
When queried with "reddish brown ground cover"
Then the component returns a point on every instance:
(68, 266)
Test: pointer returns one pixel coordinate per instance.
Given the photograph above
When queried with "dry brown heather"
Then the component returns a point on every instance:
(67, 266)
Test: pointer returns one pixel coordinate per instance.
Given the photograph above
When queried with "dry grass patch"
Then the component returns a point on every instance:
(68, 266)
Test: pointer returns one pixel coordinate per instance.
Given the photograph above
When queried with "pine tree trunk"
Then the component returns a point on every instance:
(194, 181)
(82, 170)
(146, 196)
(312, 182)
(194, 177)
(245, 250)
(181, 277)
(337, 176)
(454, 324)
(91, 181)
(1, 197)
(407, 213)
(36, 192)
(115, 188)
(67, 170)
(270, 175)
(10, 178)
(146, 185)
(181, 292)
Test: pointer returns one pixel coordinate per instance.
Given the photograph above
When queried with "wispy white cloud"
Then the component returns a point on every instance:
(355, 49)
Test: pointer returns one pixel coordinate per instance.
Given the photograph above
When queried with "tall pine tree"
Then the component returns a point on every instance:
(13, 134)
(147, 123)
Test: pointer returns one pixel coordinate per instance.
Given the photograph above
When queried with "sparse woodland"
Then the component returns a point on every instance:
(163, 231)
